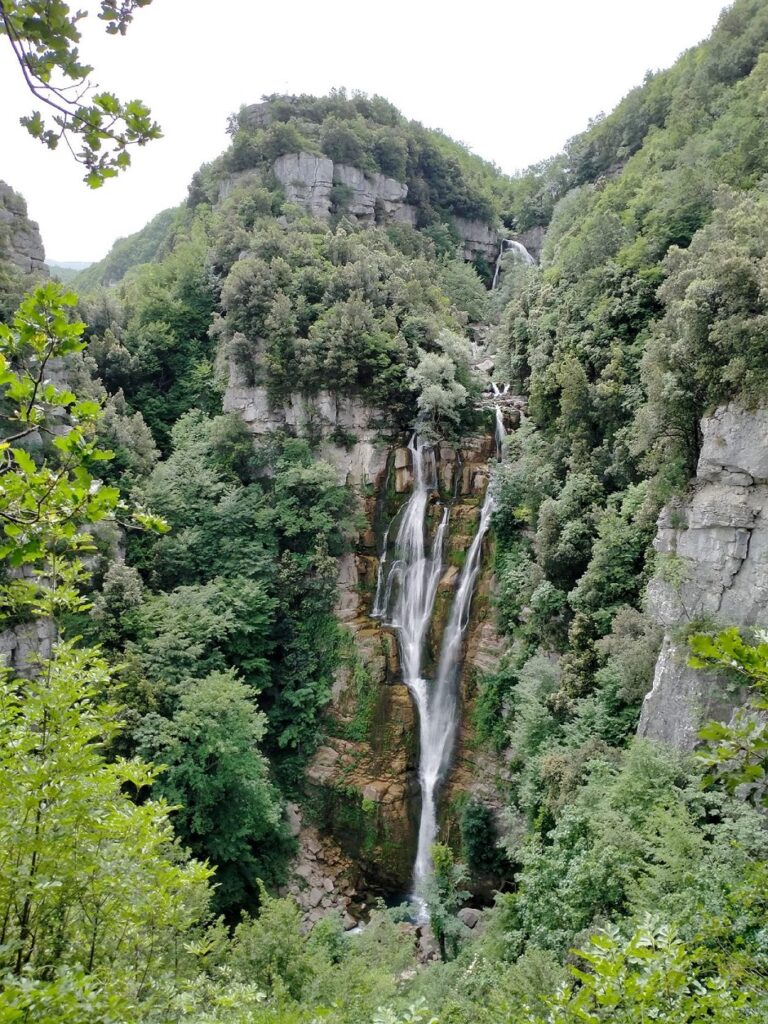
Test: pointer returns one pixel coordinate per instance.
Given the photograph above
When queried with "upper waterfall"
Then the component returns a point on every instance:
(509, 245)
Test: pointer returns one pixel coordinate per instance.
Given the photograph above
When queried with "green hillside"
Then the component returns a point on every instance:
(581, 874)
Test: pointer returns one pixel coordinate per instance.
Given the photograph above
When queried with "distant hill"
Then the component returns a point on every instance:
(66, 270)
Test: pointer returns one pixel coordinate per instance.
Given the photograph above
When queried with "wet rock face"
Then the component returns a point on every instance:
(714, 567)
(365, 789)
(20, 241)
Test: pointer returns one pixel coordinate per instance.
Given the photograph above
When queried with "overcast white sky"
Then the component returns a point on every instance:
(513, 79)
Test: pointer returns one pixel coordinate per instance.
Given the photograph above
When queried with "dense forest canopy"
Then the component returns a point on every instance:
(190, 572)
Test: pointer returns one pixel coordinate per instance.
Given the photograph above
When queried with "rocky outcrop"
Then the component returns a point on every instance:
(713, 558)
(256, 115)
(532, 239)
(21, 646)
(370, 198)
(347, 430)
(20, 241)
(306, 181)
(478, 239)
(373, 198)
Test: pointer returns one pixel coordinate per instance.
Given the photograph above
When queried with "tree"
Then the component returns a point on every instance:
(444, 896)
(649, 977)
(736, 755)
(45, 504)
(228, 809)
(95, 894)
(443, 381)
(44, 37)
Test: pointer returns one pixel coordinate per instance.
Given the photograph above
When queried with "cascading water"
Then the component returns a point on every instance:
(439, 726)
(378, 608)
(407, 584)
(509, 245)
(501, 432)
(412, 576)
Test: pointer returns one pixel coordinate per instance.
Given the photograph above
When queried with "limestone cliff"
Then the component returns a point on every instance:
(477, 239)
(308, 180)
(713, 558)
(21, 252)
(349, 433)
(362, 788)
(20, 241)
(317, 185)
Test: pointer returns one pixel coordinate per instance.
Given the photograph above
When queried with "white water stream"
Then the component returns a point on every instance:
(509, 245)
(405, 598)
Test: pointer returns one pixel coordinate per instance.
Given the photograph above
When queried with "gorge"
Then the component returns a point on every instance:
(412, 518)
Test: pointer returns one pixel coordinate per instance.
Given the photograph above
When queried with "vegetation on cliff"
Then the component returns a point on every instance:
(648, 311)
(201, 635)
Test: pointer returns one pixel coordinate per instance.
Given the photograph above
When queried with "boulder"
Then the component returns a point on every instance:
(470, 917)
(293, 817)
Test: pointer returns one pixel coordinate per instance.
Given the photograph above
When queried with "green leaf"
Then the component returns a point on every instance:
(24, 461)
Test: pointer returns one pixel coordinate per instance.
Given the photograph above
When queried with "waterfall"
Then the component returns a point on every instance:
(510, 245)
(416, 573)
(439, 726)
(405, 591)
(379, 608)
(501, 432)
(520, 249)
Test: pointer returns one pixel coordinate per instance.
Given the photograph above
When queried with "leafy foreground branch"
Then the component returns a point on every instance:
(735, 755)
(44, 36)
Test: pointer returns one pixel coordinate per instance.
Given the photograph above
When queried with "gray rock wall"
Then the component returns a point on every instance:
(478, 239)
(319, 416)
(20, 241)
(21, 646)
(373, 199)
(714, 568)
(532, 239)
(307, 180)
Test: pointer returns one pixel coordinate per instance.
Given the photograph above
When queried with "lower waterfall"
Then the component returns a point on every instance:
(405, 598)
(439, 724)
